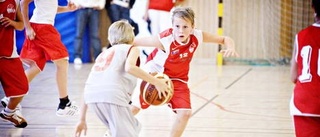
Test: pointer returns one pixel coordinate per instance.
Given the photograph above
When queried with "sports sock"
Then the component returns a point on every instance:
(63, 102)
(8, 111)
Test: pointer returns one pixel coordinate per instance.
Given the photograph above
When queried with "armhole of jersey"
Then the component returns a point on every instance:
(138, 60)
(199, 35)
(296, 48)
(17, 4)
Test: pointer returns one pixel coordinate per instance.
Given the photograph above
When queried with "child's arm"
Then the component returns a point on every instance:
(224, 40)
(151, 41)
(17, 23)
(30, 34)
(130, 67)
(82, 124)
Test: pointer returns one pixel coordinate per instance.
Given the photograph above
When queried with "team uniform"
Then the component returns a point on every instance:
(175, 62)
(159, 14)
(47, 44)
(12, 76)
(305, 101)
(108, 91)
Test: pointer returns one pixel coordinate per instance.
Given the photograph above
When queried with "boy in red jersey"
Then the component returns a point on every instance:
(305, 73)
(12, 76)
(174, 51)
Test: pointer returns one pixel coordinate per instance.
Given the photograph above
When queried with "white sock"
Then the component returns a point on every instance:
(9, 111)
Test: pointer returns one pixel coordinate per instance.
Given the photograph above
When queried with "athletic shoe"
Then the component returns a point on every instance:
(69, 110)
(16, 120)
(5, 102)
(77, 61)
(107, 134)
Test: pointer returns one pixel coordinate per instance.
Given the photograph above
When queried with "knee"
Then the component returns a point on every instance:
(185, 115)
(135, 110)
(61, 63)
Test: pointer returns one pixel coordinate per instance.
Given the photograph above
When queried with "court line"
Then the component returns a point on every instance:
(236, 80)
(214, 97)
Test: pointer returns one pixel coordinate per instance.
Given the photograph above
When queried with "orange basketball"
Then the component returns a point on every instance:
(150, 94)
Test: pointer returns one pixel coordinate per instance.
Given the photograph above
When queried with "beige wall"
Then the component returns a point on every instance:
(258, 27)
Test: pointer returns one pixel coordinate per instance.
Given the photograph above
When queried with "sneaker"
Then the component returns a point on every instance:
(69, 110)
(77, 61)
(16, 120)
(4, 103)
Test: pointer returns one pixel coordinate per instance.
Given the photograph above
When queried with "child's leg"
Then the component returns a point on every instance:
(32, 71)
(13, 102)
(62, 76)
(65, 108)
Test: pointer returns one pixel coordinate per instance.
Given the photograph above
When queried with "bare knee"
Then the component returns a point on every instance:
(61, 64)
(184, 114)
(135, 110)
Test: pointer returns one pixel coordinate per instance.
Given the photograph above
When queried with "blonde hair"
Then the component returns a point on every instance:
(120, 32)
(185, 13)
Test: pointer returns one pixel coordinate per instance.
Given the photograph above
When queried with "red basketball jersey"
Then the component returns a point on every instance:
(177, 57)
(307, 88)
(8, 9)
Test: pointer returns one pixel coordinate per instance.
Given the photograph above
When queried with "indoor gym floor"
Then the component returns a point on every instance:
(227, 101)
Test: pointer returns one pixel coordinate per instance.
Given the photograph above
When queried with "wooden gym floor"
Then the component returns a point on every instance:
(227, 101)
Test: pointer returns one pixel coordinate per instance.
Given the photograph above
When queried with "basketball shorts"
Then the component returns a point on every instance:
(13, 78)
(47, 45)
(307, 126)
(119, 119)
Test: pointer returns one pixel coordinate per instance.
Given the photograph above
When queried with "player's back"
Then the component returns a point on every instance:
(307, 89)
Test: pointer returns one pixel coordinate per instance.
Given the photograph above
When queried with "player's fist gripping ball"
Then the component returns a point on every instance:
(150, 94)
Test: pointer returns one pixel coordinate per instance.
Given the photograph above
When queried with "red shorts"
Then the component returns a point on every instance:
(180, 99)
(47, 45)
(307, 126)
(13, 78)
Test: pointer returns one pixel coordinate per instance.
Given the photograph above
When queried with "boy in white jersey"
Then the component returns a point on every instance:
(43, 43)
(174, 52)
(111, 82)
(12, 77)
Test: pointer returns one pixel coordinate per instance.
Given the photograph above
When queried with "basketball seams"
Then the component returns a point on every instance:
(150, 93)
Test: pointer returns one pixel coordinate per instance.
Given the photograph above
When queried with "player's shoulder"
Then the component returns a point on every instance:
(310, 28)
(166, 33)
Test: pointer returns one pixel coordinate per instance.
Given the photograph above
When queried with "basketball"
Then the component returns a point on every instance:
(150, 94)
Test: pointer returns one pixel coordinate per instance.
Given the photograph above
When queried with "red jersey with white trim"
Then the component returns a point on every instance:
(8, 49)
(176, 57)
(307, 88)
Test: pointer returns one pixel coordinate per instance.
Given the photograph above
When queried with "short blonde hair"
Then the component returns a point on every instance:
(185, 13)
(120, 32)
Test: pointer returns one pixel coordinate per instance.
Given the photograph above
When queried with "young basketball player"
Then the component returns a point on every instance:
(305, 73)
(111, 82)
(12, 77)
(174, 52)
(43, 43)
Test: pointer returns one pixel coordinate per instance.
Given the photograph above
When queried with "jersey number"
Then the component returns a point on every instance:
(306, 57)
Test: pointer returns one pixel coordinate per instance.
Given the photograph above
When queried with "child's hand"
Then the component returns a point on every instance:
(5, 21)
(72, 6)
(163, 88)
(30, 34)
(81, 126)
(229, 52)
